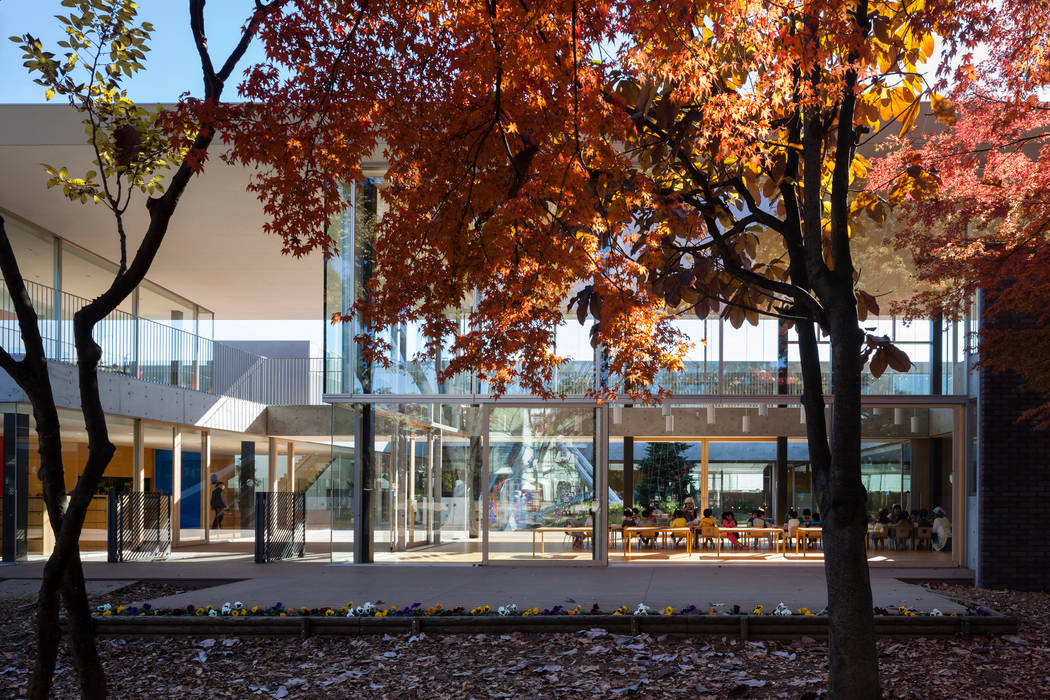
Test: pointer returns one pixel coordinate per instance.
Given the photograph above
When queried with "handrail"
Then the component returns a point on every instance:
(158, 353)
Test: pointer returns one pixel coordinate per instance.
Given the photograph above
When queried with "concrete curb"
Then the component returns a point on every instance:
(739, 626)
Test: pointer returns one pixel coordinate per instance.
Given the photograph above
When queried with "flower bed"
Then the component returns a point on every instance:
(376, 618)
(376, 609)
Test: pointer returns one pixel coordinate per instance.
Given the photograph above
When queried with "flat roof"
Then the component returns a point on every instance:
(215, 252)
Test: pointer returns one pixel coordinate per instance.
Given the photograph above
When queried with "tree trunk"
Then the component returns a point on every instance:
(48, 634)
(852, 659)
(81, 630)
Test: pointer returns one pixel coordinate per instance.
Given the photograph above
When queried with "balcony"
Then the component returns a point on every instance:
(154, 352)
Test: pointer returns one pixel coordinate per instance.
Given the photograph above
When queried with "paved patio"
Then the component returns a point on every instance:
(315, 582)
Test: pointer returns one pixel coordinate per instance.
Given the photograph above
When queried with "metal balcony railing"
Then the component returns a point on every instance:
(159, 353)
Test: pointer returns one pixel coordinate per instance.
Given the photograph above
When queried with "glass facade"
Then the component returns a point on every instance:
(512, 474)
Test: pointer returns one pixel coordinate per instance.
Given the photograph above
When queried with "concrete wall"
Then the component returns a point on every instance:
(124, 396)
(272, 348)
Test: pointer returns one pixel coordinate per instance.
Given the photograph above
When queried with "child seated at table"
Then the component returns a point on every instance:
(807, 516)
(648, 537)
(923, 519)
(699, 524)
(729, 520)
(792, 524)
(758, 519)
(677, 520)
(707, 520)
(629, 519)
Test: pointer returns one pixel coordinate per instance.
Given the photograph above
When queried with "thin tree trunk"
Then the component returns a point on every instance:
(853, 662)
(81, 631)
(48, 633)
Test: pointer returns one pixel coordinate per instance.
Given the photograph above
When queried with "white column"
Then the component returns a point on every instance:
(206, 515)
(176, 482)
(291, 466)
(139, 458)
(271, 465)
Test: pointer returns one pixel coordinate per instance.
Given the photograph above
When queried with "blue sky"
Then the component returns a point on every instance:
(172, 66)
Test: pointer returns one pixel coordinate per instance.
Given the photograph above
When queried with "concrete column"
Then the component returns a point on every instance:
(206, 515)
(176, 483)
(271, 466)
(139, 458)
(291, 466)
(703, 474)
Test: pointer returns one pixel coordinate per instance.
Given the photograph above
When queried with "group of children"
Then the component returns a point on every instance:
(688, 515)
(940, 526)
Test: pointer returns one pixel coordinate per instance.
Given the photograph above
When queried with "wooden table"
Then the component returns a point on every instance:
(686, 532)
(776, 532)
(585, 530)
(802, 535)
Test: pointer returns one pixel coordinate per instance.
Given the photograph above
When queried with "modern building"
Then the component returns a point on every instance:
(455, 475)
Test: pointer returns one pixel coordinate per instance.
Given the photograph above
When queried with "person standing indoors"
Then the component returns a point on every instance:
(218, 504)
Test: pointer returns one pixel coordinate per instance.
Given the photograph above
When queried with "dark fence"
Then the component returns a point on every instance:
(138, 526)
(280, 526)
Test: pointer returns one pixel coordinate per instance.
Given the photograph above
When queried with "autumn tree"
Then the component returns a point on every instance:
(972, 198)
(134, 155)
(636, 160)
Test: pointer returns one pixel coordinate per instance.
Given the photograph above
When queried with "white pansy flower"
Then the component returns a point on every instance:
(642, 609)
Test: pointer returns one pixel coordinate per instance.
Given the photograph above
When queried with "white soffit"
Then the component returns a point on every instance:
(215, 252)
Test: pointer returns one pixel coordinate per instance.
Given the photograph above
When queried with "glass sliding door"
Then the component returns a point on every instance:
(541, 484)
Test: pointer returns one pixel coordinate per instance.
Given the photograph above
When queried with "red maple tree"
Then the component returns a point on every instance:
(973, 199)
(637, 160)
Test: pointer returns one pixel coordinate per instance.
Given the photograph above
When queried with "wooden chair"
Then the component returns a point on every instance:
(924, 538)
(813, 537)
(879, 535)
(902, 535)
(708, 533)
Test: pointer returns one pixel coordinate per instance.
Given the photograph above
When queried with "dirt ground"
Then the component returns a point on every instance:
(563, 665)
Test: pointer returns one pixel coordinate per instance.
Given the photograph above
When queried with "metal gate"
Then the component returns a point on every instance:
(280, 526)
(138, 526)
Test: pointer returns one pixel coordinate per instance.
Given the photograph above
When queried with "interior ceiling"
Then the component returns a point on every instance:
(215, 252)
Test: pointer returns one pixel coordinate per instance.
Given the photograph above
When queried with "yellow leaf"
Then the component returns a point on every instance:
(909, 118)
(927, 44)
(49, 93)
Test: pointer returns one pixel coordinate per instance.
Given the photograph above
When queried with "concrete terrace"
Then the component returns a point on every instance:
(316, 583)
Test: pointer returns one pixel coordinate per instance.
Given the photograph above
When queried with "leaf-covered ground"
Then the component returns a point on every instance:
(562, 665)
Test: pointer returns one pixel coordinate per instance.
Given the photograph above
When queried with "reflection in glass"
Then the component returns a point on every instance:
(541, 478)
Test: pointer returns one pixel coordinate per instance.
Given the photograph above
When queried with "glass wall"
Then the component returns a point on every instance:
(230, 466)
(541, 483)
(739, 477)
(118, 477)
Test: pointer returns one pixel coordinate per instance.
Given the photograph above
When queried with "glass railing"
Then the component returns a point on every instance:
(161, 354)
